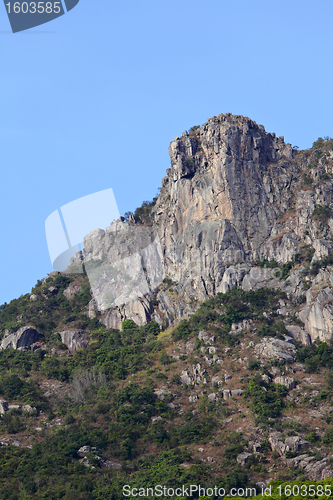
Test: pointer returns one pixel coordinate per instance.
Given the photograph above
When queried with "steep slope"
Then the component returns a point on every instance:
(234, 194)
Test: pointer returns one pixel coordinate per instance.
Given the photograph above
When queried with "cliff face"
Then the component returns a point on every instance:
(228, 185)
(234, 194)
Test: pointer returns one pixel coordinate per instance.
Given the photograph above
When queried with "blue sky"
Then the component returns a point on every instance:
(92, 100)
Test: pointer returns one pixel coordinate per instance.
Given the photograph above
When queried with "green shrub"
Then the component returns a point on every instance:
(328, 437)
(318, 143)
(312, 437)
(69, 419)
(307, 180)
(11, 386)
(263, 263)
(182, 331)
(253, 364)
(267, 402)
(322, 213)
(165, 359)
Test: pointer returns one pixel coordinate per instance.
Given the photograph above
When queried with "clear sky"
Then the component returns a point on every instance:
(92, 100)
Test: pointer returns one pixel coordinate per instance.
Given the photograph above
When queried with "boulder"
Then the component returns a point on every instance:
(297, 367)
(74, 340)
(315, 471)
(3, 406)
(276, 443)
(82, 452)
(288, 382)
(257, 448)
(202, 335)
(161, 393)
(216, 380)
(189, 347)
(299, 334)
(24, 337)
(240, 327)
(226, 394)
(110, 465)
(14, 407)
(138, 310)
(91, 309)
(113, 318)
(212, 397)
(85, 461)
(271, 348)
(300, 461)
(28, 408)
(71, 291)
(185, 378)
(295, 443)
(243, 458)
(193, 375)
(236, 392)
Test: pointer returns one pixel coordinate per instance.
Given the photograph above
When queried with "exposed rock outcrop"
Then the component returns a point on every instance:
(193, 375)
(299, 334)
(294, 443)
(23, 338)
(243, 458)
(288, 382)
(271, 348)
(71, 291)
(74, 340)
(318, 315)
(315, 470)
(233, 194)
(3, 406)
(220, 200)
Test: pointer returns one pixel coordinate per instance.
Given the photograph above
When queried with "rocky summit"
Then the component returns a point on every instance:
(190, 342)
(234, 194)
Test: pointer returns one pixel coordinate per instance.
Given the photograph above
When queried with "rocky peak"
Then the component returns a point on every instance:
(229, 183)
(234, 193)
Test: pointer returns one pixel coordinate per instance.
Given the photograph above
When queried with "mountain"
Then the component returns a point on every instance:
(190, 342)
(234, 195)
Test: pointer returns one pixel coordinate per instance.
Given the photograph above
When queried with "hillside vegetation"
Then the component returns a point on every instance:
(236, 395)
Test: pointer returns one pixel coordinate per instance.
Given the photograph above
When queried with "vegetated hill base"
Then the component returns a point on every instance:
(170, 409)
